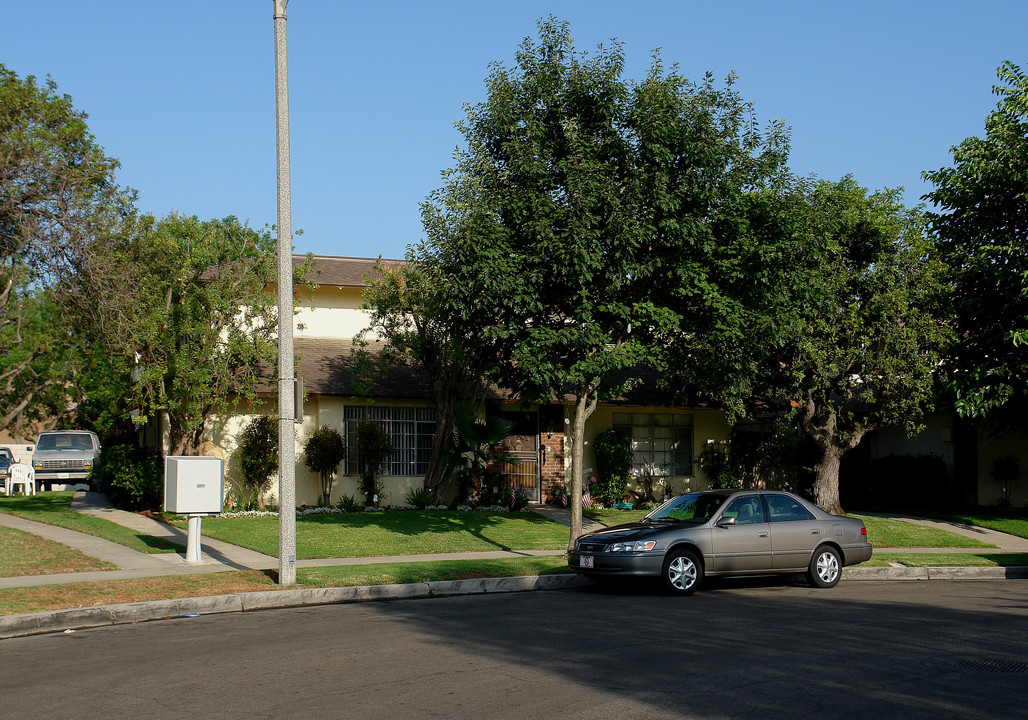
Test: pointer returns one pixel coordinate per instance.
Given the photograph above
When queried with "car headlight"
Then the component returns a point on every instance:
(88, 462)
(637, 546)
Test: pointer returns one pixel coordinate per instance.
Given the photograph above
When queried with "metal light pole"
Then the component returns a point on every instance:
(286, 411)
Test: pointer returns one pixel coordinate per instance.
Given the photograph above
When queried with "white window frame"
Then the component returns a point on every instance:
(662, 443)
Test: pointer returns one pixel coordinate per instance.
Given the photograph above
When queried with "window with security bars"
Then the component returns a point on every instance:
(661, 442)
(410, 429)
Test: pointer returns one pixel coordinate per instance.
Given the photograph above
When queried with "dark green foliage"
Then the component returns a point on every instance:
(716, 462)
(322, 454)
(982, 227)
(478, 450)
(420, 498)
(350, 504)
(131, 477)
(258, 455)
(613, 450)
(373, 448)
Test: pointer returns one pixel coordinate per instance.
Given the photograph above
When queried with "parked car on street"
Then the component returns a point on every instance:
(6, 460)
(65, 456)
(725, 533)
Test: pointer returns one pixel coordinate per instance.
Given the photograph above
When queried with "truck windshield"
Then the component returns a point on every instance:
(64, 442)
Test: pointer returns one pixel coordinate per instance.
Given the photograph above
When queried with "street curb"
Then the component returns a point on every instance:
(52, 621)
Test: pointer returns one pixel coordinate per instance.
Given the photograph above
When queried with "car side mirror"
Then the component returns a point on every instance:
(725, 521)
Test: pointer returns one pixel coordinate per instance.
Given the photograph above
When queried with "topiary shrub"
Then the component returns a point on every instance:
(322, 455)
(131, 477)
(258, 456)
(613, 450)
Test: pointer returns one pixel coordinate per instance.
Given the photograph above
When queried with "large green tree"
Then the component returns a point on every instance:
(191, 303)
(407, 302)
(571, 201)
(871, 333)
(57, 195)
(982, 228)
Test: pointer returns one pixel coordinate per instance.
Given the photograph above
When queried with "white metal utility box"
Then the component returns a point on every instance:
(193, 485)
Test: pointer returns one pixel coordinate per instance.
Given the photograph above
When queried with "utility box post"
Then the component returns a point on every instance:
(194, 486)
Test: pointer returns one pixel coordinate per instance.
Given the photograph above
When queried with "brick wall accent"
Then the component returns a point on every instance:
(552, 456)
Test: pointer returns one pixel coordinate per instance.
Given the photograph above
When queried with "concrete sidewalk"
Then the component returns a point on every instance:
(218, 556)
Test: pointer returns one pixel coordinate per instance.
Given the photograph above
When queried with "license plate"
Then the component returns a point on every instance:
(586, 561)
(62, 476)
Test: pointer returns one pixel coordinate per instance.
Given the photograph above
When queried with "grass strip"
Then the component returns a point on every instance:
(22, 553)
(54, 508)
(75, 595)
(994, 521)
(950, 560)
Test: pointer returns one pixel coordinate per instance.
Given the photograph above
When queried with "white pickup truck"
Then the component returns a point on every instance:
(65, 456)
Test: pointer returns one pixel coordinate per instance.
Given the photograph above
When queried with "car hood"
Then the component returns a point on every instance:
(633, 530)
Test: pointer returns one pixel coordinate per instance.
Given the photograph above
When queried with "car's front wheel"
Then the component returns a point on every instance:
(825, 568)
(682, 572)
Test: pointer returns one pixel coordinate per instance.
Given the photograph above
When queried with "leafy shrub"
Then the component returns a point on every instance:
(613, 450)
(420, 498)
(322, 455)
(258, 455)
(716, 462)
(373, 448)
(350, 504)
(131, 477)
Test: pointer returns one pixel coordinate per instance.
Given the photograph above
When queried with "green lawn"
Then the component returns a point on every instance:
(23, 553)
(883, 532)
(395, 533)
(54, 508)
(994, 521)
(608, 517)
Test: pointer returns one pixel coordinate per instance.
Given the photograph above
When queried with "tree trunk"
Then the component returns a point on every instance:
(826, 483)
(585, 403)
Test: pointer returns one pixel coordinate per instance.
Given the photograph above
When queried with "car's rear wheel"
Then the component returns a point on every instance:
(682, 572)
(825, 568)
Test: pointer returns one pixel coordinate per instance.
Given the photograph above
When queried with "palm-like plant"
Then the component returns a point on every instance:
(478, 444)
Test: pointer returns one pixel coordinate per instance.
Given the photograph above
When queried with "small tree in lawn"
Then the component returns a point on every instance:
(373, 448)
(322, 455)
(258, 456)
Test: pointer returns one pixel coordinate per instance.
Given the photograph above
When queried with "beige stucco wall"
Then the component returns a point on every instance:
(333, 313)
(318, 411)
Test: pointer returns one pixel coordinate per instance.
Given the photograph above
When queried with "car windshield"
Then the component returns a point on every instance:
(693, 508)
(64, 442)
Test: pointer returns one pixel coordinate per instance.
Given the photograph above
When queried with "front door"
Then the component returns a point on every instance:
(522, 449)
(746, 544)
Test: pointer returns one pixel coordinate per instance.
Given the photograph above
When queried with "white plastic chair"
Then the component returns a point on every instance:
(24, 475)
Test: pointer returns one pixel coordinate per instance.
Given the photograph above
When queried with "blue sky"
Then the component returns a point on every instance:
(182, 92)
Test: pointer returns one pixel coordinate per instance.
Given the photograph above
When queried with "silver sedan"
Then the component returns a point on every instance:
(725, 532)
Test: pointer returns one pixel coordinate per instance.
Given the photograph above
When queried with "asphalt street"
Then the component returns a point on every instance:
(768, 648)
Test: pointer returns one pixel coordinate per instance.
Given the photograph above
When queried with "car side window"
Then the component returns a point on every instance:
(781, 508)
(745, 510)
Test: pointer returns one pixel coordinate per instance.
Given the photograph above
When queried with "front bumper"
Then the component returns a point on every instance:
(628, 564)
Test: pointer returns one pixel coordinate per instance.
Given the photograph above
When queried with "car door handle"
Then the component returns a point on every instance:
(762, 535)
(815, 532)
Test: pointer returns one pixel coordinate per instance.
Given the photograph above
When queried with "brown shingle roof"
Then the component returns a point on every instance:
(325, 365)
(341, 271)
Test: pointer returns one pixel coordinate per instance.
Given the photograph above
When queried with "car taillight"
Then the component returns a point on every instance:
(863, 531)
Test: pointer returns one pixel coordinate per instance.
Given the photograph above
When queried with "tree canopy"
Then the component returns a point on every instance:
(871, 332)
(982, 228)
(577, 194)
(57, 194)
